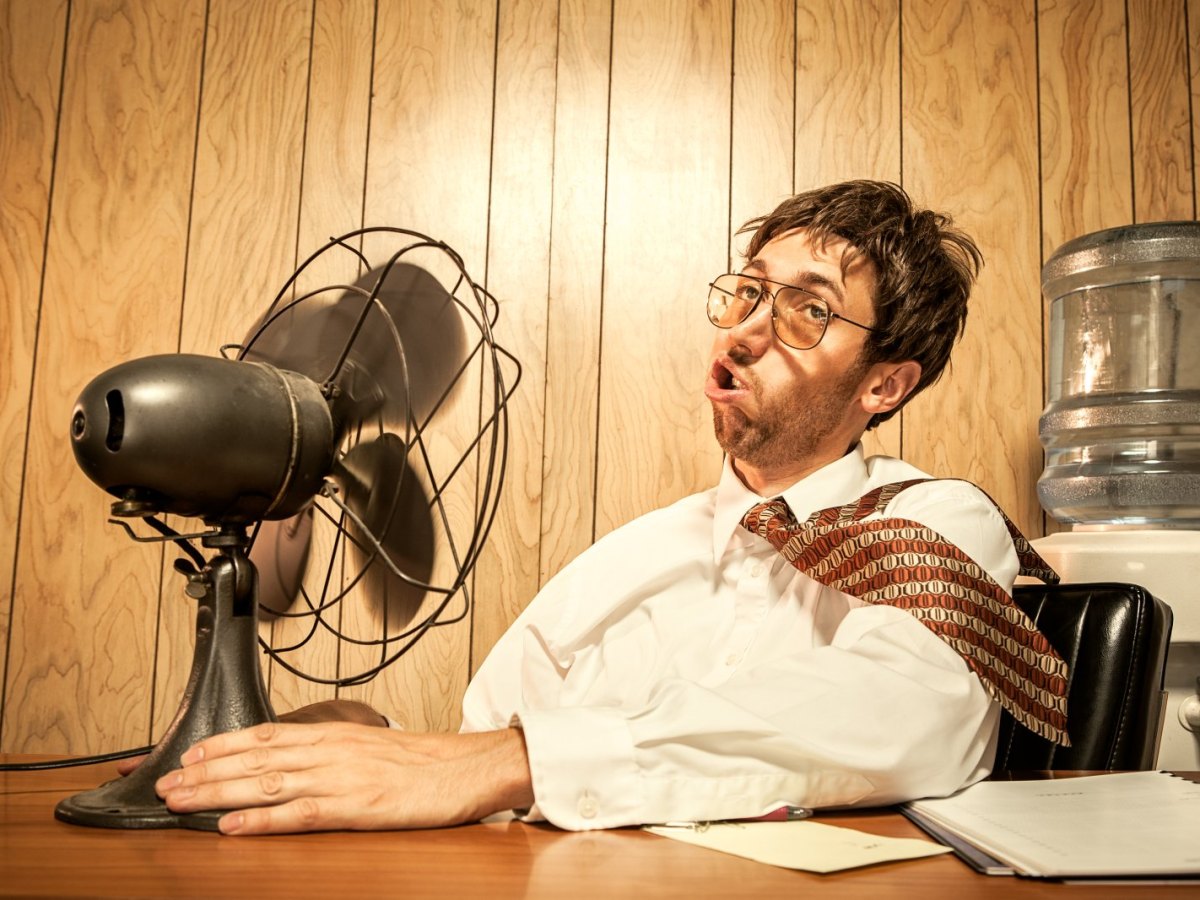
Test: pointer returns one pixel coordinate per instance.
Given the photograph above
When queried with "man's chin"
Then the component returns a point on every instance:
(734, 433)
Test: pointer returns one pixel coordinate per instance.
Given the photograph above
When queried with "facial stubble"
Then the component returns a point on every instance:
(789, 429)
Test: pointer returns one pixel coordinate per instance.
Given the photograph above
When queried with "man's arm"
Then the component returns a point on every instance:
(887, 712)
(281, 777)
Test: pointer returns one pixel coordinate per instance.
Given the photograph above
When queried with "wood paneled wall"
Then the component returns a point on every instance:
(165, 163)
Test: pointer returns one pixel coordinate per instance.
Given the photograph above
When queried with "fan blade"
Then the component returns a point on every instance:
(280, 551)
(381, 489)
(384, 492)
(411, 307)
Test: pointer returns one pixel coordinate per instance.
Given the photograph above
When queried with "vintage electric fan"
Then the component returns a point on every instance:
(321, 419)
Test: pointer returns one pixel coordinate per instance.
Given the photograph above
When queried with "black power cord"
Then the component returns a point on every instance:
(77, 761)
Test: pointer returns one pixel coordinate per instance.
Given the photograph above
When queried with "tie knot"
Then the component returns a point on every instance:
(768, 518)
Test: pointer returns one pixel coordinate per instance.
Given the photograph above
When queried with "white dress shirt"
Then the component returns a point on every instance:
(681, 669)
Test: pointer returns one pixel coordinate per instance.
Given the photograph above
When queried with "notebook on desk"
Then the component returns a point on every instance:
(1135, 824)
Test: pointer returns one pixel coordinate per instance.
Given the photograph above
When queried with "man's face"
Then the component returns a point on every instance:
(776, 407)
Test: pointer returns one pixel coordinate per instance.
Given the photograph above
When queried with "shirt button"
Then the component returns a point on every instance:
(588, 807)
(732, 659)
(756, 570)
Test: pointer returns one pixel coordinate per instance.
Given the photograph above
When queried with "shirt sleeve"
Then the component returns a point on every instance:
(886, 712)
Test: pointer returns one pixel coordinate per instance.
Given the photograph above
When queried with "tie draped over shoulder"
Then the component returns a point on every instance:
(905, 564)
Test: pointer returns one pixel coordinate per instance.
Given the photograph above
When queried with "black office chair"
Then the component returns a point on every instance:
(1114, 640)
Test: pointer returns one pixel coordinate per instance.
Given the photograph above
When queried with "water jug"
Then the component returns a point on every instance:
(1122, 426)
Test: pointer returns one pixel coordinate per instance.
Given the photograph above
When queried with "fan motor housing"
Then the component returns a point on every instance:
(223, 440)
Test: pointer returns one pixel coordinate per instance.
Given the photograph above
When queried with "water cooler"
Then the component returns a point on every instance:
(1122, 435)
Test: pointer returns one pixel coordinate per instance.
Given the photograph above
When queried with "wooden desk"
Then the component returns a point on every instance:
(42, 857)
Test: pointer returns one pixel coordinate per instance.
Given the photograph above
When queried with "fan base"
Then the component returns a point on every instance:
(225, 692)
(112, 805)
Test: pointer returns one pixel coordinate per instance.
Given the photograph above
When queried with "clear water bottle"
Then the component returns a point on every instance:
(1122, 428)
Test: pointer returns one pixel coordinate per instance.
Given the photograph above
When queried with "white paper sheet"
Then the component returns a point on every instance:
(806, 845)
(1129, 824)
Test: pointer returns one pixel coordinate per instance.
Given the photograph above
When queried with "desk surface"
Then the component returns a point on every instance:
(42, 857)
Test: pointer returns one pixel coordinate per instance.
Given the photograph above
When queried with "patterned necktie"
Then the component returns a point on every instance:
(902, 563)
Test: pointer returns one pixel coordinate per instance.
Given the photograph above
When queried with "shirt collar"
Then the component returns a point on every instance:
(837, 483)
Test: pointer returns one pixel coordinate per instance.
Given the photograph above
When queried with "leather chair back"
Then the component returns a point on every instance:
(1113, 638)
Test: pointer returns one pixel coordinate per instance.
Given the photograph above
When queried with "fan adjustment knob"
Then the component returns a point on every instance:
(197, 581)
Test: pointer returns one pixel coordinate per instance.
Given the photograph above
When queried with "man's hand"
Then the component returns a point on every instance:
(283, 777)
(325, 711)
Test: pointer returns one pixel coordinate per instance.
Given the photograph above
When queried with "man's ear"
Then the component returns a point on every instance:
(887, 385)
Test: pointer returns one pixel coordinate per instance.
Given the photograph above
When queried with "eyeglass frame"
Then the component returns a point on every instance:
(774, 295)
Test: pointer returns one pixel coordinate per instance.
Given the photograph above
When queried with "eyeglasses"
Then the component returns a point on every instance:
(798, 317)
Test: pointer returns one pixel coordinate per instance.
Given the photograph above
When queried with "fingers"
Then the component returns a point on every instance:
(188, 791)
(300, 815)
(269, 734)
(234, 773)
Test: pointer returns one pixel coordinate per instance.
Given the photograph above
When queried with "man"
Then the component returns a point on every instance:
(689, 666)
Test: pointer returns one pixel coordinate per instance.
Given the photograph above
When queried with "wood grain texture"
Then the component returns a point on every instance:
(337, 119)
(970, 148)
(32, 37)
(667, 226)
(1087, 179)
(581, 115)
(518, 273)
(763, 141)
(848, 113)
(428, 169)
(1163, 183)
(85, 604)
(847, 91)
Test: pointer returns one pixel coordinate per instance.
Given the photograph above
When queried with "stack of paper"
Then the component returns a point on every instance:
(1132, 824)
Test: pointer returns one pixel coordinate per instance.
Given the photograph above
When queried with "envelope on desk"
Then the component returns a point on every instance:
(805, 845)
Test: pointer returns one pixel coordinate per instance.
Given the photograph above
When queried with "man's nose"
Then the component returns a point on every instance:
(755, 332)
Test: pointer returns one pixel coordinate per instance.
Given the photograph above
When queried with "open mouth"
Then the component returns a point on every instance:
(724, 379)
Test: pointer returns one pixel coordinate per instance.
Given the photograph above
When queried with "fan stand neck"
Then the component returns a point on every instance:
(225, 692)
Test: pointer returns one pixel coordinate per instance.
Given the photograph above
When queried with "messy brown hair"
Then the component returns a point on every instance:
(924, 267)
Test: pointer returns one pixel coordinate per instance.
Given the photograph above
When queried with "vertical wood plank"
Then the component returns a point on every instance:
(1087, 176)
(1087, 180)
(31, 54)
(335, 154)
(667, 224)
(848, 112)
(428, 169)
(763, 143)
(847, 91)
(84, 610)
(518, 274)
(1158, 84)
(581, 115)
(970, 148)
(242, 242)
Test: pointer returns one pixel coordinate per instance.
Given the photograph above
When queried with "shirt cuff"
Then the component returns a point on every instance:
(582, 767)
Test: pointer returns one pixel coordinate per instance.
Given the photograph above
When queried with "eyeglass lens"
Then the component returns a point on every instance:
(799, 318)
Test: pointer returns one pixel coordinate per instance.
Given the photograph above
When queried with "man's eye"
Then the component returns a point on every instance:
(806, 308)
(749, 291)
